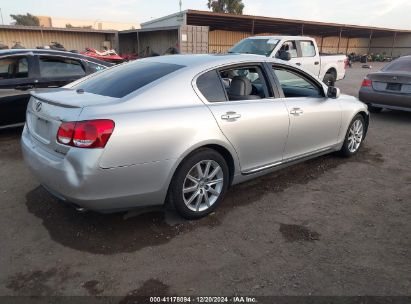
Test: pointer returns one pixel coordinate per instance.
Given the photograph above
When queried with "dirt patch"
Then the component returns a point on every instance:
(149, 288)
(92, 287)
(38, 282)
(294, 233)
(301, 173)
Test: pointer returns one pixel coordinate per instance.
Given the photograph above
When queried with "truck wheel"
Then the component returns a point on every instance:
(329, 79)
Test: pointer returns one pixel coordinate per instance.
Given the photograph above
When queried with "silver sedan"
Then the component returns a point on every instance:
(181, 129)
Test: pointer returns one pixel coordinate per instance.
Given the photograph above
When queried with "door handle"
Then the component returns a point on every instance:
(317, 63)
(24, 87)
(298, 63)
(230, 116)
(296, 111)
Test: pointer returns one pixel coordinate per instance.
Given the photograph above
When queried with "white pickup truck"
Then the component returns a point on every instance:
(302, 51)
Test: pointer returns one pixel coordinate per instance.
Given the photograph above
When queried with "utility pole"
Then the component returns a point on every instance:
(1, 13)
(181, 4)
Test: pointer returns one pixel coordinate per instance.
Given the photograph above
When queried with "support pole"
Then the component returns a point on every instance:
(369, 43)
(138, 45)
(302, 29)
(348, 44)
(339, 41)
(252, 28)
(393, 43)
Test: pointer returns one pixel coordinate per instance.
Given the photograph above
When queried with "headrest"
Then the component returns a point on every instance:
(240, 85)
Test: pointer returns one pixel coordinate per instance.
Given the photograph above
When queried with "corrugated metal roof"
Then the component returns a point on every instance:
(55, 29)
(261, 24)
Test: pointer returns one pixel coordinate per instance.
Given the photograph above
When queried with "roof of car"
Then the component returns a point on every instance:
(205, 60)
(51, 52)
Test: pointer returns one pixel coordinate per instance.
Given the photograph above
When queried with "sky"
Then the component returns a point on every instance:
(380, 13)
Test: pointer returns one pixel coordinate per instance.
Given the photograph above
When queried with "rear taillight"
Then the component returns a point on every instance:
(366, 82)
(346, 63)
(86, 134)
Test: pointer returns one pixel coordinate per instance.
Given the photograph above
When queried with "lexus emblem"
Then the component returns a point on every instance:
(38, 106)
(395, 78)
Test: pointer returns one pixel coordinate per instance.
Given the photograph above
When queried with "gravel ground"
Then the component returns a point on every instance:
(330, 226)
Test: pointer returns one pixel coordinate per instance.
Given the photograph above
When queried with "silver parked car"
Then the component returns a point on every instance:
(182, 129)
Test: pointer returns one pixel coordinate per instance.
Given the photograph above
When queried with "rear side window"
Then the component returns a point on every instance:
(126, 78)
(307, 48)
(211, 87)
(60, 67)
(399, 65)
(14, 67)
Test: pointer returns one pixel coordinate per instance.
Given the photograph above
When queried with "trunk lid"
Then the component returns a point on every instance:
(391, 82)
(47, 110)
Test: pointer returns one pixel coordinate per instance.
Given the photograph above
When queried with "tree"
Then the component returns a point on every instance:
(226, 6)
(28, 20)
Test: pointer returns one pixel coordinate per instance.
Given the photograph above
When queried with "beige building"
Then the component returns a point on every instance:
(96, 24)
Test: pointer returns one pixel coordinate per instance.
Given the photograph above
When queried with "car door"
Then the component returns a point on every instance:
(253, 121)
(310, 60)
(16, 81)
(315, 120)
(57, 71)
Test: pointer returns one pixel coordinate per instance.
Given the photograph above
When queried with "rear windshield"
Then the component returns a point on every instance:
(255, 46)
(399, 65)
(127, 78)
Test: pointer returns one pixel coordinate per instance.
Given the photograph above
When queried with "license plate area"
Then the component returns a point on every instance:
(394, 87)
(41, 128)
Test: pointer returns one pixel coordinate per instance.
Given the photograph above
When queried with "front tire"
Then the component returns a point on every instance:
(199, 184)
(330, 79)
(354, 137)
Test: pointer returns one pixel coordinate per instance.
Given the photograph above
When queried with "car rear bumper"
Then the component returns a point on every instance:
(385, 100)
(78, 179)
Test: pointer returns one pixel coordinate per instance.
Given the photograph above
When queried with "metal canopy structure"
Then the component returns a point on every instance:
(259, 24)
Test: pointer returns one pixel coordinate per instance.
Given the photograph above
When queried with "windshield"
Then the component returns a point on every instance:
(255, 46)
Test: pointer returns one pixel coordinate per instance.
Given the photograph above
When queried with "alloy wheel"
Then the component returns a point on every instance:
(203, 185)
(355, 135)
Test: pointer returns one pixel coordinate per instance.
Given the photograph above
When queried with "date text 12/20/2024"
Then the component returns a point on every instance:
(235, 299)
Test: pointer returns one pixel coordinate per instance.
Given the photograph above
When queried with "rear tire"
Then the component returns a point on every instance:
(199, 184)
(354, 137)
(373, 109)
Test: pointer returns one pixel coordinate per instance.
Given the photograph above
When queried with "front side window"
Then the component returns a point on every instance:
(14, 67)
(124, 79)
(307, 49)
(211, 87)
(60, 67)
(288, 46)
(296, 85)
(244, 83)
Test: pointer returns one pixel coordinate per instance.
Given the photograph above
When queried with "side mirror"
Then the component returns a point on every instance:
(284, 55)
(333, 92)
